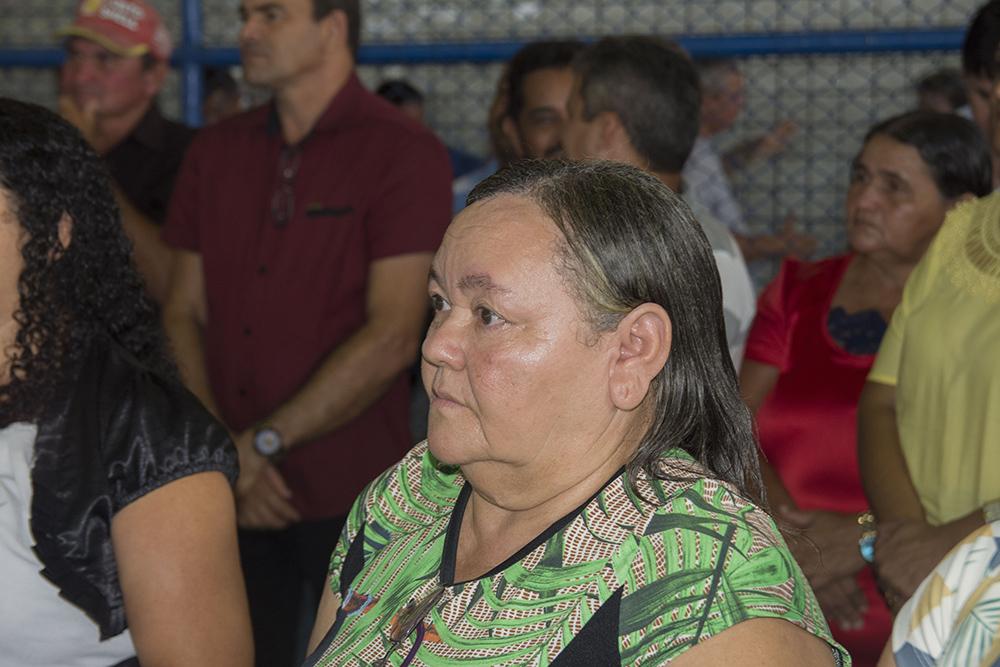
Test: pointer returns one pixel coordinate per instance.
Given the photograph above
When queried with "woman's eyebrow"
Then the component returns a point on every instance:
(480, 282)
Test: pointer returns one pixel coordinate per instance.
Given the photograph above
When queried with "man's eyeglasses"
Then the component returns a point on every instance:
(283, 199)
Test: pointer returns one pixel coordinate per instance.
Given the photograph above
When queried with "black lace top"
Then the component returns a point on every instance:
(115, 433)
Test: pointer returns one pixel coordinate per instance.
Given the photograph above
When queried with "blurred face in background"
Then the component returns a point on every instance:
(979, 90)
(280, 41)
(109, 84)
(894, 207)
(536, 131)
(720, 108)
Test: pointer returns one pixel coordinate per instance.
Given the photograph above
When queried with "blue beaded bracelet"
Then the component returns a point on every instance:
(869, 532)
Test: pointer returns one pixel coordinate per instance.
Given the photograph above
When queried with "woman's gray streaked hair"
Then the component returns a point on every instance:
(630, 240)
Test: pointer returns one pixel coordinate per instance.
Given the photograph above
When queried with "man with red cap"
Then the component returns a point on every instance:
(116, 64)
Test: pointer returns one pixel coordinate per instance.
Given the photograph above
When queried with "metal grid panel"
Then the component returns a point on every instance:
(478, 20)
(833, 98)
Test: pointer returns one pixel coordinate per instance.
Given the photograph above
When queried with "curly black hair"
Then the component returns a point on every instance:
(67, 296)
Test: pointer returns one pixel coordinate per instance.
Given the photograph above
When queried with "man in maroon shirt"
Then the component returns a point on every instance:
(304, 232)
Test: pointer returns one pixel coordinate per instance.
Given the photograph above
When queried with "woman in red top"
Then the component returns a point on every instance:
(817, 330)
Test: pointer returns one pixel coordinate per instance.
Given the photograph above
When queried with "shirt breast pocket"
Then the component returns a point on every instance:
(317, 211)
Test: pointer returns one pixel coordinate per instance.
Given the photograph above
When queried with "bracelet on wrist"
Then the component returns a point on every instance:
(869, 532)
(991, 511)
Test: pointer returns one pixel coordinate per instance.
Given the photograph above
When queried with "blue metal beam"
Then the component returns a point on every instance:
(190, 56)
(31, 57)
(737, 44)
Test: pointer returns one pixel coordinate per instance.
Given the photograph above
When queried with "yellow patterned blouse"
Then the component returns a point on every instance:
(942, 353)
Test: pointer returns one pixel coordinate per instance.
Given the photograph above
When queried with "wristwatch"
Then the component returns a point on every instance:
(268, 443)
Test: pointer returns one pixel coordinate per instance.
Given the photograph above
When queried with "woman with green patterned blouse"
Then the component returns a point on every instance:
(587, 493)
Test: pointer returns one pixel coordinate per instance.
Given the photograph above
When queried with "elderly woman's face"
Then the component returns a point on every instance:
(894, 206)
(11, 262)
(514, 374)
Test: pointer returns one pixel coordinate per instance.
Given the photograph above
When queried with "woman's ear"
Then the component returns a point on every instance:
(642, 345)
(335, 26)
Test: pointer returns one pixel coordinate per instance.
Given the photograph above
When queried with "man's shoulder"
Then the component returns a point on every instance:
(390, 126)
(237, 129)
(719, 236)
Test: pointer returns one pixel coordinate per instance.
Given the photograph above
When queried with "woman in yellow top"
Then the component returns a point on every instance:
(929, 417)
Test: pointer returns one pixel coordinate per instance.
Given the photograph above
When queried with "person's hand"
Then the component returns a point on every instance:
(83, 119)
(762, 245)
(263, 499)
(905, 553)
(775, 141)
(843, 602)
(827, 548)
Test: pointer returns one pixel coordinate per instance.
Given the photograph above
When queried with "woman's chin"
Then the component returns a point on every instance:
(444, 446)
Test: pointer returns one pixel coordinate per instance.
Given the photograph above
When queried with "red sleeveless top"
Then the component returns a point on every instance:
(807, 424)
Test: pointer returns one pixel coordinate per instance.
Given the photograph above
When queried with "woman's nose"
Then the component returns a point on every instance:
(867, 196)
(443, 344)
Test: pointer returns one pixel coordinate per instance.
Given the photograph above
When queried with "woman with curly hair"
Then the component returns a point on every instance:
(117, 523)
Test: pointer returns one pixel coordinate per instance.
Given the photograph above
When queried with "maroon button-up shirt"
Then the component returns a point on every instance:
(287, 235)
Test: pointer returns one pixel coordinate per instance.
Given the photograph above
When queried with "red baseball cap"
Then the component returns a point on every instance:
(126, 27)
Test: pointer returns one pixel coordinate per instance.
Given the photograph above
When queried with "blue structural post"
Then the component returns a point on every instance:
(189, 63)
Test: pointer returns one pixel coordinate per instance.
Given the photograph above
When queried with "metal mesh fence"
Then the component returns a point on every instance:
(832, 97)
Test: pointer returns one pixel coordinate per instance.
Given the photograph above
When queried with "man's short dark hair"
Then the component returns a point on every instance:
(531, 58)
(979, 51)
(352, 8)
(220, 79)
(946, 82)
(652, 85)
(399, 92)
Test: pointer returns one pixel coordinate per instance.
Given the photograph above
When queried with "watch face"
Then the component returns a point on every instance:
(267, 442)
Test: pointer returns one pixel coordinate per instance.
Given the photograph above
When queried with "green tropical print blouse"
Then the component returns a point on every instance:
(628, 578)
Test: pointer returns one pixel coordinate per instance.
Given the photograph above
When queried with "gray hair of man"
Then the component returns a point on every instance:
(712, 73)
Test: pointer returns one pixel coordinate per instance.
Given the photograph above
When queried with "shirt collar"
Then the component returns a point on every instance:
(339, 109)
(151, 129)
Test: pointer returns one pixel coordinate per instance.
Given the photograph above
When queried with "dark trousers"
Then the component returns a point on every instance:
(285, 571)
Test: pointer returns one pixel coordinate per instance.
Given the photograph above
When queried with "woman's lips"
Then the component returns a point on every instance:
(443, 398)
